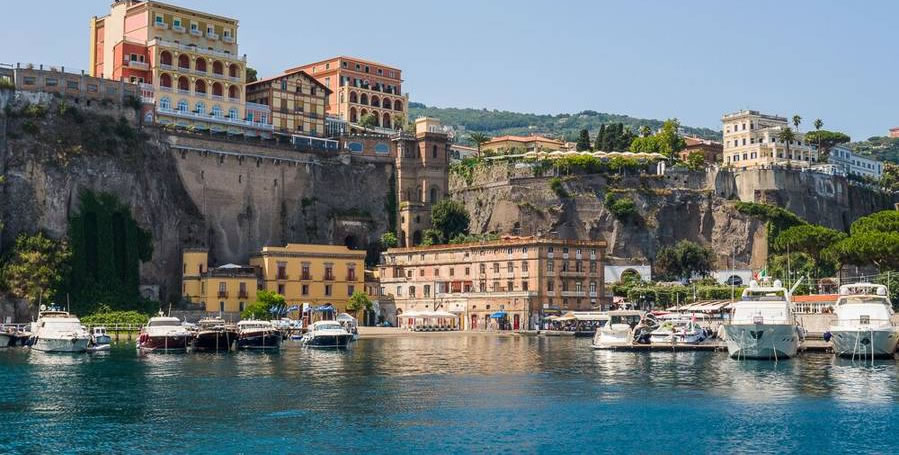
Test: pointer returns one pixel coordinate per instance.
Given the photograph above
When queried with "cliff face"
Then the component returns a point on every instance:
(186, 192)
(696, 206)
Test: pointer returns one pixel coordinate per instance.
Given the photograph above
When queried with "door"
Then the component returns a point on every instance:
(474, 322)
(515, 322)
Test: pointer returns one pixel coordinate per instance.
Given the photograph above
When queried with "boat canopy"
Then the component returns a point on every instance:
(705, 306)
(324, 308)
(345, 317)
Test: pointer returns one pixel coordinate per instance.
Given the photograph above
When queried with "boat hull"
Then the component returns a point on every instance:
(269, 340)
(164, 343)
(73, 344)
(329, 341)
(7, 340)
(103, 339)
(864, 342)
(215, 340)
(762, 341)
(611, 339)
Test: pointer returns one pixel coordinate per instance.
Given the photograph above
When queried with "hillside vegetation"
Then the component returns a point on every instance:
(567, 126)
(879, 147)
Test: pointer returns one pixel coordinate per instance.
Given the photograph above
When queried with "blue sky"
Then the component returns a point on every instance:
(694, 60)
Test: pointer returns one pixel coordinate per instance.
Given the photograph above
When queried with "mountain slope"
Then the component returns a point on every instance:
(567, 126)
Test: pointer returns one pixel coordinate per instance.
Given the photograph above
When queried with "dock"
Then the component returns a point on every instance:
(815, 346)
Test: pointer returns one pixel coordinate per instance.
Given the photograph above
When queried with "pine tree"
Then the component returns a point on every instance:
(600, 137)
(583, 141)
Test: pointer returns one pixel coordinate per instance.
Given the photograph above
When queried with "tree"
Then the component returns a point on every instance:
(251, 75)
(796, 121)
(889, 180)
(683, 260)
(368, 120)
(389, 240)
(450, 218)
(600, 138)
(818, 124)
(695, 161)
(645, 131)
(431, 237)
(583, 141)
(811, 239)
(359, 301)
(262, 307)
(873, 239)
(825, 140)
(786, 136)
(667, 141)
(37, 267)
(479, 139)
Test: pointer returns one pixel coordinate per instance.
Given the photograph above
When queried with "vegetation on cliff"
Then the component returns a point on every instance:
(36, 269)
(682, 261)
(450, 219)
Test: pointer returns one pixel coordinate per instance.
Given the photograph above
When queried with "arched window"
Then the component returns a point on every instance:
(165, 103)
(353, 97)
(183, 61)
(232, 113)
(165, 80)
(233, 93)
(386, 122)
(200, 65)
(353, 118)
(217, 89)
(234, 70)
(200, 108)
(386, 103)
(217, 67)
(433, 198)
(183, 84)
(182, 106)
(375, 101)
(363, 99)
(217, 111)
(398, 106)
(434, 151)
(200, 87)
(165, 58)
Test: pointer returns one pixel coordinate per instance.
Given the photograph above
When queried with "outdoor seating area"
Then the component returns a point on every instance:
(429, 321)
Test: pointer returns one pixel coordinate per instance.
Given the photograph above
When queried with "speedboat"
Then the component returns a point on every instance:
(619, 331)
(59, 331)
(254, 334)
(680, 329)
(864, 325)
(327, 334)
(100, 340)
(214, 335)
(762, 324)
(164, 334)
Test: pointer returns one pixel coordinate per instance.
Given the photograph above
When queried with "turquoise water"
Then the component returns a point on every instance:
(446, 394)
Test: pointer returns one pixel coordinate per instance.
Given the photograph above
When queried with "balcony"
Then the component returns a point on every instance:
(197, 49)
(223, 294)
(281, 276)
(178, 28)
(181, 91)
(234, 100)
(234, 78)
(196, 32)
(217, 97)
(201, 72)
(573, 294)
(306, 277)
(243, 295)
(200, 94)
(166, 67)
(212, 35)
(163, 88)
(572, 273)
(329, 277)
(351, 277)
(161, 25)
(228, 39)
(143, 66)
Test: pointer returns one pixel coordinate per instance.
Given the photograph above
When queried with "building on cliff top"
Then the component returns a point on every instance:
(520, 144)
(711, 151)
(189, 59)
(751, 139)
(512, 283)
(297, 101)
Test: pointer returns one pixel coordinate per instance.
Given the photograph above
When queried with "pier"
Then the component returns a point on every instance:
(815, 346)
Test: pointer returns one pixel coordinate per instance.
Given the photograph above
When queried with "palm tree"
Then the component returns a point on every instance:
(645, 131)
(479, 139)
(818, 124)
(787, 136)
(796, 121)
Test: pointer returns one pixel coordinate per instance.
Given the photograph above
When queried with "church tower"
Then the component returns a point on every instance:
(422, 171)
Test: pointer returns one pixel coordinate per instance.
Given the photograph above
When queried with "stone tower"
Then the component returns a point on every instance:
(422, 178)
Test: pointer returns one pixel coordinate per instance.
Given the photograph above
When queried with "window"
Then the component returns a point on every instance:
(30, 80)
(217, 111)
(281, 289)
(304, 289)
(524, 285)
(496, 267)
(222, 307)
(452, 271)
(592, 266)
(550, 266)
(282, 270)
(399, 291)
(578, 286)
(427, 290)
(242, 290)
(483, 268)
(158, 19)
(524, 266)
(592, 287)
(327, 289)
(350, 290)
(73, 85)
(467, 271)
(200, 108)
(232, 114)
(510, 286)
(550, 286)
(304, 271)
(412, 291)
(329, 271)
(510, 268)
(182, 106)
(436, 271)
(176, 22)
(351, 272)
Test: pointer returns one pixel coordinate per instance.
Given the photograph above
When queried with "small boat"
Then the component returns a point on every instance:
(8, 337)
(214, 335)
(59, 331)
(679, 329)
(255, 334)
(619, 331)
(327, 334)
(164, 334)
(99, 336)
(864, 325)
(762, 325)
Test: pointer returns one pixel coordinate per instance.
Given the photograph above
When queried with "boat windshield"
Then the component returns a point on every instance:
(631, 320)
(863, 299)
(165, 323)
(334, 326)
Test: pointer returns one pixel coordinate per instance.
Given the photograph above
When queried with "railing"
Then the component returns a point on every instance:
(203, 72)
(282, 276)
(228, 39)
(329, 277)
(136, 64)
(233, 100)
(196, 32)
(217, 97)
(234, 78)
(161, 25)
(198, 49)
(163, 88)
(573, 294)
(306, 277)
(242, 295)
(178, 28)
(182, 91)
(166, 66)
(212, 35)
(351, 277)
(223, 294)
(207, 118)
(200, 94)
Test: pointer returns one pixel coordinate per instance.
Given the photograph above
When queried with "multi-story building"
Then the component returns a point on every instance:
(422, 177)
(189, 57)
(360, 87)
(461, 152)
(317, 275)
(854, 164)
(225, 290)
(518, 279)
(520, 144)
(894, 132)
(711, 151)
(297, 101)
(751, 139)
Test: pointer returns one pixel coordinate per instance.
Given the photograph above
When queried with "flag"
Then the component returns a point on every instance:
(762, 274)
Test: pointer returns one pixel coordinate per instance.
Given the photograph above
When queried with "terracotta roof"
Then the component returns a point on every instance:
(290, 73)
(816, 298)
(347, 57)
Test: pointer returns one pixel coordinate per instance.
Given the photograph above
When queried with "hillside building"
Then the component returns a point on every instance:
(751, 139)
(189, 58)
(520, 144)
(361, 87)
(297, 102)
(224, 290)
(711, 151)
(514, 281)
(854, 164)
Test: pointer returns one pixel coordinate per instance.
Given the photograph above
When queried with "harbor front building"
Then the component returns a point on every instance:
(312, 275)
(752, 139)
(188, 59)
(508, 284)
(224, 290)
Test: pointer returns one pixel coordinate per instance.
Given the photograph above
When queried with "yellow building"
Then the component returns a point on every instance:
(520, 144)
(226, 289)
(313, 274)
(752, 139)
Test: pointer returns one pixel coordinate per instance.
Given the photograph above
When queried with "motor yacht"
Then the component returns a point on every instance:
(59, 331)
(680, 329)
(214, 335)
(864, 326)
(619, 330)
(255, 334)
(164, 334)
(762, 324)
(327, 334)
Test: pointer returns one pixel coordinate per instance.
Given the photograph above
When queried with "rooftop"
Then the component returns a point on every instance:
(523, 139)
(347, 57)
(288, 73)
(504, 241)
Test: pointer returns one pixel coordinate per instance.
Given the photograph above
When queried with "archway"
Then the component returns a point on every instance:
(233, 70)
(233, 92)
(217, 67)
(183, 84)
(165, 58)
(200, 64)
(200, 87)
(183, 61)
(386, 104)
(630, 276)
(363, 99)
(165, 80)
(216, 89)
(386, 122)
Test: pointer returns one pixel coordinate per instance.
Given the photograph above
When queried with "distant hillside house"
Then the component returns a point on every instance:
(712, 151)
(894, 132)
(520, 144)
(854, 164)
(751, 139)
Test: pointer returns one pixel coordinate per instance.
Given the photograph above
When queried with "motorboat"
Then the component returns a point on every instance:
(100, 340)
(864, 326)
(619, 330)
(350, 324)
(8, 337)
(255, 334)
(588, 322)
(214, 335)
(327, 334)
(678, 329)
(164, 334)
(762, 324)
(59, 331)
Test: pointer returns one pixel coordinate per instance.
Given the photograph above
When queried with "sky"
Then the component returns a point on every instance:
(693, 60)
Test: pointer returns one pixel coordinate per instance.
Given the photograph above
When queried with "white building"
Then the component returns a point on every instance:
(751, 139)
(460, 152)
(613, 273)
(854, 164)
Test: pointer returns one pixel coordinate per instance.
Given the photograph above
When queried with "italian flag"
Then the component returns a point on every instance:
(762, 274)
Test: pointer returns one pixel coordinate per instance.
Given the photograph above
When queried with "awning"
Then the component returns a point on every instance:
(498, 315)
(324, 308)
(345, 317)
(569, 316)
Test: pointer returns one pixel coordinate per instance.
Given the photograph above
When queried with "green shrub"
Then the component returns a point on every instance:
(622, 207)
(5, 83)
(107, 317)
(29, 127)
(34, 111)
(556, 185)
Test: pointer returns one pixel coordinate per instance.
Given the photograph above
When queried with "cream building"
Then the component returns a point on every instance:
(224, 290)
(751, 139)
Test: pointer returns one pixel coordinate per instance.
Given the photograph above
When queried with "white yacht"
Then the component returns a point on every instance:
(762, 324)
(864, 326)
(327, 334)
(619, 331)
(59, 331)
(164, 334)
(680, 329)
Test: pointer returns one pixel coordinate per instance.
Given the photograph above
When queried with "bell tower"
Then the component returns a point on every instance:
(422, 170)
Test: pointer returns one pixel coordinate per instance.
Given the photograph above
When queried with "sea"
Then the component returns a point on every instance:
(453, 393)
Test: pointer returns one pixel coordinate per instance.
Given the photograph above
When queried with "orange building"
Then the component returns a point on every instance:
(359, 87)
(712, 152)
